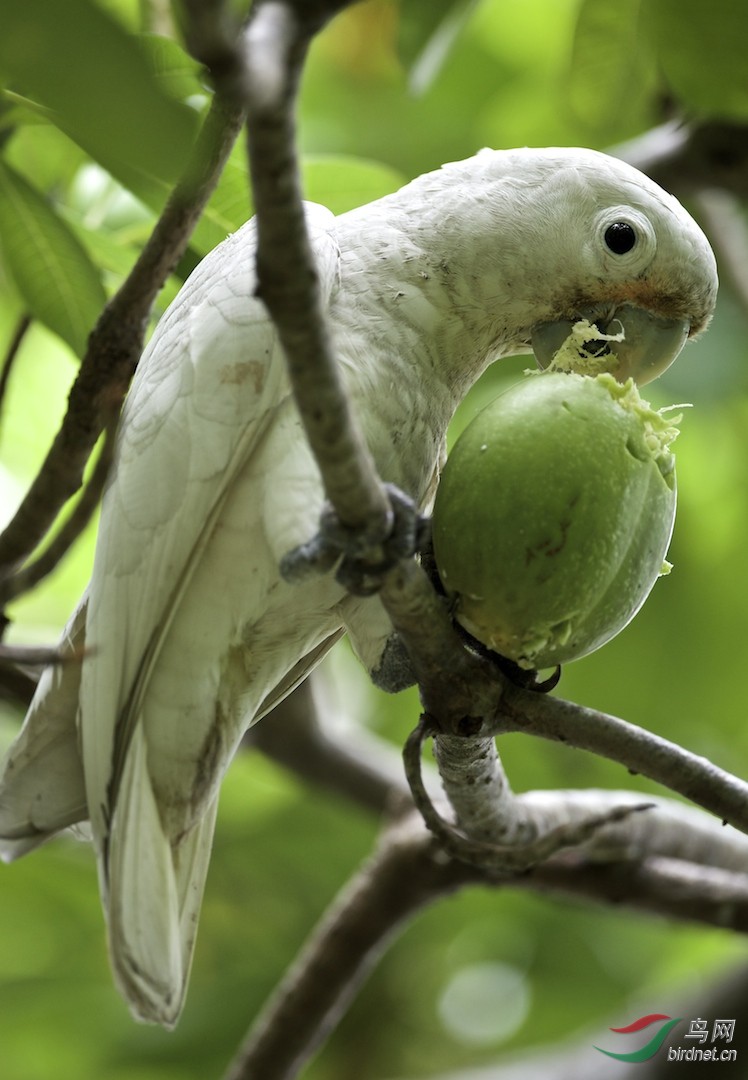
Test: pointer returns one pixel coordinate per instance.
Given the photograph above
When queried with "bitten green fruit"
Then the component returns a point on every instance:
(554, 514)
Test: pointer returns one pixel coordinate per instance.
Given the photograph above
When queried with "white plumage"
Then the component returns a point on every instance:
(192, 634)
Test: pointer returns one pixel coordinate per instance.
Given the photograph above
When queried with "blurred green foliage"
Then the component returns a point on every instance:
(96, 119)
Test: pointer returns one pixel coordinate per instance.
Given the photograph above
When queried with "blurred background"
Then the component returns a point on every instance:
(100, 106)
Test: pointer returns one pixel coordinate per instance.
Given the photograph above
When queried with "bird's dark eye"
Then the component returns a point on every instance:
(620, 237)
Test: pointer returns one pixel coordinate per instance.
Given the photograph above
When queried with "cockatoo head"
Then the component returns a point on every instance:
(582, 236)
(639, 267)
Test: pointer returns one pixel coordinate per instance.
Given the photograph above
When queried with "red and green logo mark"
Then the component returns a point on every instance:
(649, 1049)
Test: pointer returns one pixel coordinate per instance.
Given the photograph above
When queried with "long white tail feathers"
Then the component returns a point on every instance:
(153, 892)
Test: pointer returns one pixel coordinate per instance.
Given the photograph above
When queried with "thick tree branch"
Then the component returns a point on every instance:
(277, 43)
(405, 872)
(408, 871)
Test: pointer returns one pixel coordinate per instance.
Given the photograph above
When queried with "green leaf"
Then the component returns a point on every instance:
(343, 183)
(701, 48)
(230, 204)
(420, 20)
(611, 72)
(98, 84)
(436, 48)
(41, 151)
(172, 68)
(50, 267)
(336, 181)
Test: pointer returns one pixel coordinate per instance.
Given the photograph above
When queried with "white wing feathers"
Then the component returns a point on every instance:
(41, 784)
(211, 382)
(207, 391)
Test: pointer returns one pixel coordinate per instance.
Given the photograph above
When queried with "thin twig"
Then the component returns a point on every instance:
(637, 749)
(21, 665)
(34, 655)
(30, 575)
(116, 341)
(14, 347)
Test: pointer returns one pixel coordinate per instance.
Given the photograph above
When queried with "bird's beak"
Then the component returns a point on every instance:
(633, 343)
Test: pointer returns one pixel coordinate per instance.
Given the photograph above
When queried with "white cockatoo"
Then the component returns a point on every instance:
(190, 632)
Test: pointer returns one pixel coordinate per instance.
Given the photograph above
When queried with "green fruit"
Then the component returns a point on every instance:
(554, 514)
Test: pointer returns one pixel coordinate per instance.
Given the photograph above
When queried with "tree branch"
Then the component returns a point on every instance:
(14, 346)
(408, 871)
(462, 692)
(361, 768)
(302, 737)
(116, 341)
(405, 872)
(465, 695)
(277, 43)
(31, 574)
(693, 157)
(638, 750)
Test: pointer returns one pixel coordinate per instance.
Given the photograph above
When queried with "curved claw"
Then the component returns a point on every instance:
(648, 344)
(363, 578)
(335, 544)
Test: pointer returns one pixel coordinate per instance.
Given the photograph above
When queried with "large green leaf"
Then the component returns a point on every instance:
(701, 48)
(49, 265)
(611, 71)
(338, 181)
(342, 182)
(98, 83)
(172, 68)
